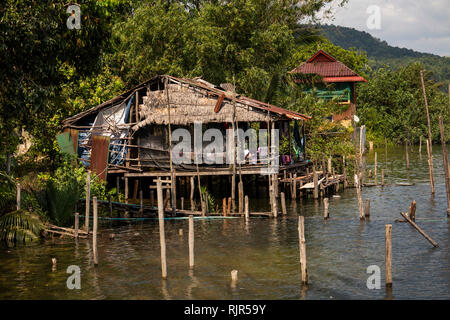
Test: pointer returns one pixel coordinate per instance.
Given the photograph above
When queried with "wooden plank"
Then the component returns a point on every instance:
(418, 229)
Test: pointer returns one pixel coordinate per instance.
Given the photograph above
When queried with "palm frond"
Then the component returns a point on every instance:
(20, 227)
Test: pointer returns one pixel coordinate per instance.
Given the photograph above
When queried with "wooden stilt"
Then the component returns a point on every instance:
(162, 237)
(430, 137)
(94, 229)
(367, 210)
(283, 203)
(77, 223)
(375, 169)
(88, 201)
(325, 209)
(358, 195)
(247, 209)
(191, 241)
(302, 246)
(388, 254)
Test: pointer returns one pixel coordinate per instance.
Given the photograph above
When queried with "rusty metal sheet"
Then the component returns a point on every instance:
(99, 156)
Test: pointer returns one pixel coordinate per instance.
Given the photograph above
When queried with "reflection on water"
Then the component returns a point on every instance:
(264, 251)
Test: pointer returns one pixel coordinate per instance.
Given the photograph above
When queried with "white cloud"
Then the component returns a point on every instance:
(416, 24)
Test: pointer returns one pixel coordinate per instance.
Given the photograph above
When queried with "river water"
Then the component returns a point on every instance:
(264, 251)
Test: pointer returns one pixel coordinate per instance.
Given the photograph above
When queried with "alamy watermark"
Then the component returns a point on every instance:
(74, 20)
(373, 22)
(374, 280)
(236, 147)
(74, 280)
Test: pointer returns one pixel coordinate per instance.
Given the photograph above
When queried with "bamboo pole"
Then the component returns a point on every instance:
(18, 196)
(191, 241)
(419, 229)
(375, 169)
(420, 145)
(88, 200)
(224, 203)
(241, 197)
(358, 195)
(430, 166)
(302, 246)
(412, 211)
(229, 206)
(382, 177)
(388, 254)
(283, 203)
(294, 187)
(446, 165)
(94, 229)
(77, 219)
(247, 209)
(172, 171)
(367, 210)
(325, 209)
(407, 155)
(430, 138)
(316, 183)
(162, 237)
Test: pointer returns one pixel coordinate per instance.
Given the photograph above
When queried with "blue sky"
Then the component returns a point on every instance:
(421, 25)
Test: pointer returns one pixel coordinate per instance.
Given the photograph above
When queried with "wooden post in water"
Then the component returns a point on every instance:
(274, 202)
(367, 210)
(382, 177)
(412, 211)
(294, 186)
(94, 229)
(224, 203)
(388, 254)
(88, 200)
(446, 166)
(430, 166)
(191, 241)
(375, 169)
(229, 206)
(316, 183)
(283, 203)
(234, 278)
(247, 209)
(404, 215)
(407, 155)
(358, 195)
(18, 196)
(182, 203)
(430, 138)
(241, 197)
(77, 222)
(162, 237)
(420, 144)
(302, 246)
(325, 209)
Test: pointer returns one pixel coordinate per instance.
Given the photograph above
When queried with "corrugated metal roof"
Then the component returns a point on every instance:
(324, 65)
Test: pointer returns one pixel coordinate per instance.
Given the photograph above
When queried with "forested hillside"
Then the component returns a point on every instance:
(380, 53)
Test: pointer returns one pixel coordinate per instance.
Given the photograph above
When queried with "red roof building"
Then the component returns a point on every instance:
(331, 71)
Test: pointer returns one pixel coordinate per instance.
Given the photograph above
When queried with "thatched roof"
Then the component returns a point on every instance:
(191, 100)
